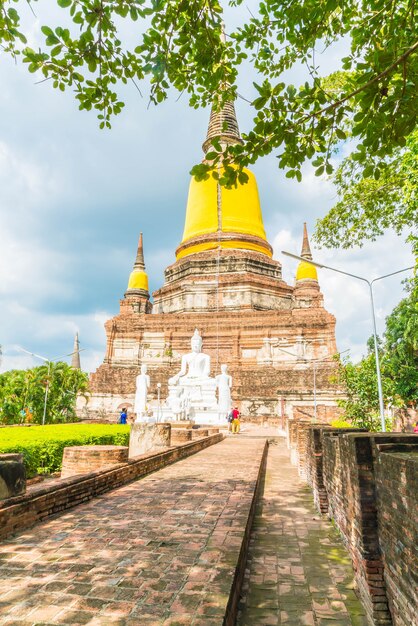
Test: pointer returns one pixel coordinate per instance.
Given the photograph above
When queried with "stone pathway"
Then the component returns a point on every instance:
(298, 571)
(162, 550)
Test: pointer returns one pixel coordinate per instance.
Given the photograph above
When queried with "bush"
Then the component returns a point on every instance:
(43, 446)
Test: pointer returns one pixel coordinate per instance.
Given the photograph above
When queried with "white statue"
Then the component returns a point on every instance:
(224, 384)
(177, 404)
(195, 364)
(142, 386)
(192, 392)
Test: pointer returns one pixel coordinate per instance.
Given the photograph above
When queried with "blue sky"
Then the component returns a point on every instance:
(73, 200)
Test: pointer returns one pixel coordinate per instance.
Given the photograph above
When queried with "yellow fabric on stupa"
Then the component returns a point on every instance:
(306, 271)
(240, 208)
(138, 280)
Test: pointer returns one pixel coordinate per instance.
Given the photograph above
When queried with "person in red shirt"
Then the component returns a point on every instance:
(416, 427)
(235, 421)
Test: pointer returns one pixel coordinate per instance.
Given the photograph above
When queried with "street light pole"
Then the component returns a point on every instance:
(46, 394)
(376, 347)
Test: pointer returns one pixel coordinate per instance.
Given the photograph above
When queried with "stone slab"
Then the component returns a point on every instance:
(147, 437)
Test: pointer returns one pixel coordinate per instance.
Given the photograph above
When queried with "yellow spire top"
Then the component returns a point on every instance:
(306, 271)
(138, 279)
(217, 217)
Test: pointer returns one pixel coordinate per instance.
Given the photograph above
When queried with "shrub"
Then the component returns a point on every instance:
(43, 446)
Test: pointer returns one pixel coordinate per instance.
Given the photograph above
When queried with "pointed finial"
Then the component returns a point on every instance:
(224, 126)
(306, 249)
(139, 261)
(306, 271)
(75, 359)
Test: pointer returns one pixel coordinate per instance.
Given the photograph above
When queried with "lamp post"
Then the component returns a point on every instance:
(159, 401)
(376, 349)
(49, 361)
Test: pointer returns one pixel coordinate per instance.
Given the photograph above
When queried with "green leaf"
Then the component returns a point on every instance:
(47, 31)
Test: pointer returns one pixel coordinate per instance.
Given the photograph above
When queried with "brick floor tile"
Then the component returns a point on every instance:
(297, 565)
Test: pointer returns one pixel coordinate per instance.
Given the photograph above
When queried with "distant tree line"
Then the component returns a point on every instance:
(22, 394)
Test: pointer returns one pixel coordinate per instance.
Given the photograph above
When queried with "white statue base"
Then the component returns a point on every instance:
(194, 400)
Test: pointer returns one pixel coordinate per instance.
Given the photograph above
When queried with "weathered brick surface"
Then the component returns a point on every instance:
(342, 468)
(180, 436)
(314, 467)
(85, 459)
(315, 461)
(164, 550)
(293, 437)
(24, 511)
(229, 337)
(198, 433)
(396, 472)
(359, 453)
(298, 571)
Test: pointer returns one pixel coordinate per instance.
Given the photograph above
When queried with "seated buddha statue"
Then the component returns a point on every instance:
(195, 365)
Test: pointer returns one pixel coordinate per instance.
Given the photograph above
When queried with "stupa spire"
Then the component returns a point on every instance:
(306, 248)
(223, 122)
(219, 217)
(138, 279)
(223, 125)
(139, 261)
(306, 271)
(75, 359)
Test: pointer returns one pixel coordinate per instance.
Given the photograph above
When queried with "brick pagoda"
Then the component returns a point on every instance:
(226, 284)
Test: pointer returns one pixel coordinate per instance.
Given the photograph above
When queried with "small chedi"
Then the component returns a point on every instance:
(225, 283)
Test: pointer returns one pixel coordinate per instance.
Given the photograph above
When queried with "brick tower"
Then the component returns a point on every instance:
(225, 283)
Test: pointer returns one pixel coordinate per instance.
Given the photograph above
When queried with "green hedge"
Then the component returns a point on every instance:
(42, 446)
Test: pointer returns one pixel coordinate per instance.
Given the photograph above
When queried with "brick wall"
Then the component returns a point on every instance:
(314, 467)
(86, 459)
(397, 487)
(367, 483)
(24, 511)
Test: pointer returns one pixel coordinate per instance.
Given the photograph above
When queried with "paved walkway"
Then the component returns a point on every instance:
(298, 571)
(161, 550)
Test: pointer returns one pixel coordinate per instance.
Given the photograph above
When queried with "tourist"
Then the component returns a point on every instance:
(416, 427)
(123, 416)
(230, 417)
(235, 421)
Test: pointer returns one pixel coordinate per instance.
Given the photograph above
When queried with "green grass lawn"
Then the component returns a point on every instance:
(42, 446)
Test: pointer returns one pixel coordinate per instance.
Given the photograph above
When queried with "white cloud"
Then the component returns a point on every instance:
(349, 298)
(73, 200)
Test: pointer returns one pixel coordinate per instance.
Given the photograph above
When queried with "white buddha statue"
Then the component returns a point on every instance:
(224, 384)
(193, 387)
(195, 365)
(142, 386)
